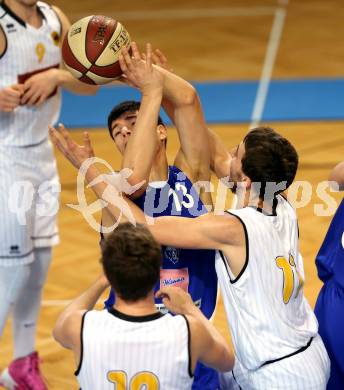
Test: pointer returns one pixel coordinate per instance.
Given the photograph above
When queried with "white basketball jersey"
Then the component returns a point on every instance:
(29, 50)
(268, 314)
(124, 352)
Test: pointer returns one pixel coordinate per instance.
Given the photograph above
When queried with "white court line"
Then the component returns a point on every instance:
(180, 13)
(269, 62)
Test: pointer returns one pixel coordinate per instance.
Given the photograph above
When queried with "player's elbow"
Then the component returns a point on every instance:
(57, 332)
(227, 363)
(188, 96)
(138, 184)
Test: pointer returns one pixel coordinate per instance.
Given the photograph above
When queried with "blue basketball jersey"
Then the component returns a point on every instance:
(193, 270)
(329, 307)
(330, 259)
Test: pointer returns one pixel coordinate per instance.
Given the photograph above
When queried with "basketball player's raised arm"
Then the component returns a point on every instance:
(337, 175)
(141, 147)
(180, 95)
(183, 106)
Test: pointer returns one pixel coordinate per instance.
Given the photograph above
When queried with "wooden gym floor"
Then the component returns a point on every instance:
(230, 45)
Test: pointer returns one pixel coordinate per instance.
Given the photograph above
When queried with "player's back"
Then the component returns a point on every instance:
(268, 313)
(118, 350)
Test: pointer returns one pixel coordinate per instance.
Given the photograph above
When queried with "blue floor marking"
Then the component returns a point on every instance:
(224, 102)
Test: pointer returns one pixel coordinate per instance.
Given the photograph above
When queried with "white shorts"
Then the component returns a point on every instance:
(29, 201)
(309, 369)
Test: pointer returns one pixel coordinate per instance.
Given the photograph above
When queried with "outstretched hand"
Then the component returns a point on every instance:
(159, 59)
(74, 152)
(138, 73)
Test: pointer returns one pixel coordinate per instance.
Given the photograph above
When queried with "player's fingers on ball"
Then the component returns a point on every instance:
(135, 51)
(127, 57)
(161, 56)
(155, 59)
(149, 54)
(122, 63)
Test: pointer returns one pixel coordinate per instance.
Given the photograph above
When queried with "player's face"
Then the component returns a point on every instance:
(122, 127)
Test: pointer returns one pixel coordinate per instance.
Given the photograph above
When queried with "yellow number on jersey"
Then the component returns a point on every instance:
(40, 51)
(142, 380)
(289, 268)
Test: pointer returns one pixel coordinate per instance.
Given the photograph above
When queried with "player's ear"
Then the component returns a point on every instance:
(162, 132)
(246, 182)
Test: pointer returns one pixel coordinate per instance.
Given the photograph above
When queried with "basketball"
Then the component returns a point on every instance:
(91, 47)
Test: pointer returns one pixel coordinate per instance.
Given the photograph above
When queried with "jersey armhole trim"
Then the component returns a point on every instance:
(59, 19)
(12, 14)
(77, 371)
(5, 37)
(191, 375)
(247, 250)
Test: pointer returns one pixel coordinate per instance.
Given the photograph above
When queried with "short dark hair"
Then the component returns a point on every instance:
(269, 157)
(121, 108)
(131, 261)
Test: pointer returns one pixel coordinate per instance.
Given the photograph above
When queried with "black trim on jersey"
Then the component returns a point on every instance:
(5, 49)
(12, 14)
(225, 263)
(41, 12)
(77, 371)
(17, 256)
(236, 380)
(291, 354)
(191, 374)
(247, 250)
(127, 317)
(297, 222)
(274, 209)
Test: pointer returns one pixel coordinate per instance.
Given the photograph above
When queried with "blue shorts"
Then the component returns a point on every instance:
(205, 378)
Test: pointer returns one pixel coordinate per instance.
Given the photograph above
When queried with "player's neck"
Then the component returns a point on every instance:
(250, 198)
(159, 171)
(142, 307)
(28, 13)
